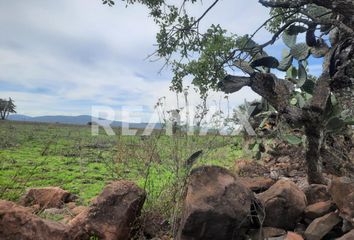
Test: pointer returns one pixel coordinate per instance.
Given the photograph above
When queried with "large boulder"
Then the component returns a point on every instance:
(112, 215)
(18, 223)
(49, 197)
(342, 192)
(284, 204)
(216, 205)
(321, 226)
(316, 193)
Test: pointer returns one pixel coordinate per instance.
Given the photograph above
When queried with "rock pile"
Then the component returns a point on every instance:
(17, 222)
(283, 210)
(110, 217)
(217, 206)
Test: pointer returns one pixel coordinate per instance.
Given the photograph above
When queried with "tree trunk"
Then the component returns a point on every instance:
(314, 136)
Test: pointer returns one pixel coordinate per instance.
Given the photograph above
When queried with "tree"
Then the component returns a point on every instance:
(209, 56)
(6, 107)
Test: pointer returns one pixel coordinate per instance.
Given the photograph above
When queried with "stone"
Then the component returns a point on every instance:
(292, 173)
(293, 236)
(55, 211)
(347, 236)
(257, 184)
(273, 232)
(284, 204)
(49, 197)
(319, 209)
(321, 226)
(300, 228)
(347, 226)
(267, 233)
(316, 193)
(153, 225)
(71, 205)
(284, 159)
(216, 205)
(112, 215)
(77, 210)
(36, 208)
(17, 222)
(342, 192)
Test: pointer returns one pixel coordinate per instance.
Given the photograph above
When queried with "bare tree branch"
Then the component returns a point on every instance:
(203, 15)
(276, 91)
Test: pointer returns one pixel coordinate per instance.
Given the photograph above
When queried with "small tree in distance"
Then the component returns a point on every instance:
(6, 107)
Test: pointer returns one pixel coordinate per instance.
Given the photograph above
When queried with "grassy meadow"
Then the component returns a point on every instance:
(68, 156)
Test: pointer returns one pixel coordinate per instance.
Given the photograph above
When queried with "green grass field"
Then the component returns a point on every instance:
(68, 156)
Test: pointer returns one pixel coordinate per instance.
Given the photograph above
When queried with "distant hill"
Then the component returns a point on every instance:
(78, 120)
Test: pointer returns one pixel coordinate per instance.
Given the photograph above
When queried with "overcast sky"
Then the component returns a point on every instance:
(62, 57)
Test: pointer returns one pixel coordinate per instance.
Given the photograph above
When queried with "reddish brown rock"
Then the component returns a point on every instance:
(273, 232)
(293, 236)
(215, 207)
(319, 209)
(321, 226)
(79, 209)
(284, 204)
(257, 184)
(71, 205)
(316, 193)
(66, 219)
(36, 208)
(154, 225)
(267, 232)
(112, 215)
(49, 197)
(347, 236)
(247, 168)
(342, 192)
(18, 223)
